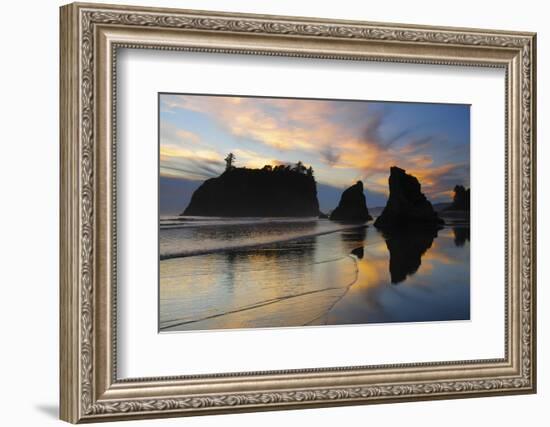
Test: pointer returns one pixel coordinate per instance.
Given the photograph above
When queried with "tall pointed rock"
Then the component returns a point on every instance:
(406, 203)
(352, 206)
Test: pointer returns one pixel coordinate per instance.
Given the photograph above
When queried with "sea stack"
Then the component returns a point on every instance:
(461, 199)
(406, 203)
(267, 192)
(352, 206)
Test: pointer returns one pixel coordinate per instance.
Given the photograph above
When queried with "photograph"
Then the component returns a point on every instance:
(292, 212)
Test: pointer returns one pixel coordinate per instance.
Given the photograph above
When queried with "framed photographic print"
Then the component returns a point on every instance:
(265, 212)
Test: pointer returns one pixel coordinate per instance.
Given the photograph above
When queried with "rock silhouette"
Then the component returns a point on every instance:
(461, 199)
(352, 206)
(267, 192)
(406, 203)
(407, 246)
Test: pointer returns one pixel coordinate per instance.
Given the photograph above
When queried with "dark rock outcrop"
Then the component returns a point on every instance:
(406, 203)
(352, 206)
(242, 192)
(461, 199)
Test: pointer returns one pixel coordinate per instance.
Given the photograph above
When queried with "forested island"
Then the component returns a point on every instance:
(272, 191)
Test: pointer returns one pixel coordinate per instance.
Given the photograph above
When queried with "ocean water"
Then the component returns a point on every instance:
(218, 273)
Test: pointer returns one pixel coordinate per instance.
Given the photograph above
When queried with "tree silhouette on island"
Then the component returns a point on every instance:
(229, 160)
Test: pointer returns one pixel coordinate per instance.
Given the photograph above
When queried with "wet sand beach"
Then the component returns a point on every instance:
(253, 273)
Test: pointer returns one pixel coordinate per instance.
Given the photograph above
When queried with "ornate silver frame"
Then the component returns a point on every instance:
(90, 36)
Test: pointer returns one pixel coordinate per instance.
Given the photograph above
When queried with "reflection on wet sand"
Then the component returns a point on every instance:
(406, 247)
(434, 285)
(285, 284)
(343, 277)
(462, 233)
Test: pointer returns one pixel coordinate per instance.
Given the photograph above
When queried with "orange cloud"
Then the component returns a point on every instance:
(351, 150)
(279, 123)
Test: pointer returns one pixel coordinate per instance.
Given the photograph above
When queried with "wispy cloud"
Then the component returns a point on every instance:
(343, 140)
(184, 154)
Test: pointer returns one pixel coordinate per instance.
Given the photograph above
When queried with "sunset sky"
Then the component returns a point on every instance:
(344, 141)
